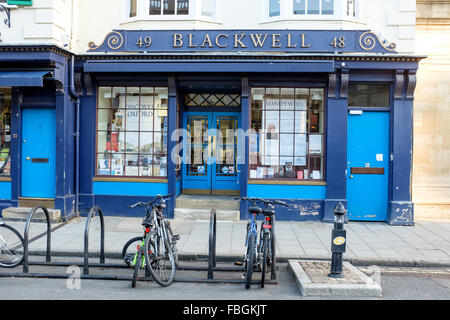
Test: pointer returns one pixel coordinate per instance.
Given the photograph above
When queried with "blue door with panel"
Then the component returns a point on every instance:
(367, 165)
(210, 153)
(38, 153)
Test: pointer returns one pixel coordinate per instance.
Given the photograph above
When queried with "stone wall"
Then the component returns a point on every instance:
(431, 159)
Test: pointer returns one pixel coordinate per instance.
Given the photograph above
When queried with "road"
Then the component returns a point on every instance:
(402, 284)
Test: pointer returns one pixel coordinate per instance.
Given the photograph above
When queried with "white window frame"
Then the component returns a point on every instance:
(195, 13)
(287, 12)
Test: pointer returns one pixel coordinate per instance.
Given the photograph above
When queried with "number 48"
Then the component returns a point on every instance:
(338, 42)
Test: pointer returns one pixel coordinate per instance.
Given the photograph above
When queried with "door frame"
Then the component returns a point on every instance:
(212, 117)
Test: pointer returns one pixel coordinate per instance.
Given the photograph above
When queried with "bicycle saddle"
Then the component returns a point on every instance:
(269, 212)
(254, 209)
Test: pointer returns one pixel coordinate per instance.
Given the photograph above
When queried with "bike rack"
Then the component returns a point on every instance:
(27, 232)
(91, 213)
(212, 244)
(211, 268)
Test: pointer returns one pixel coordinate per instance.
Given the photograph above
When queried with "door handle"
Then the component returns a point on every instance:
(351, 176)
(28, 158)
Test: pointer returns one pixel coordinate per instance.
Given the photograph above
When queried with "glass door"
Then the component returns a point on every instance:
(210, 153)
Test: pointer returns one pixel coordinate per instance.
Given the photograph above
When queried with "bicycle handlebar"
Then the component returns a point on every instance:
(149, 203)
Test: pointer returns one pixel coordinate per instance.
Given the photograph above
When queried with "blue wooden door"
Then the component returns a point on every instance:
(368, 166)
(210, 153)
(38, 153)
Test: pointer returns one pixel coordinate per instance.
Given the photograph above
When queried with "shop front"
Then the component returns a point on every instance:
(313, 118)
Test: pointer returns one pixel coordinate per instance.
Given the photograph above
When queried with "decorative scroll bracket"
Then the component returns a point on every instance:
(412, 81)
(6, 10)
(344, 84)
(332, 85)
(399, 81)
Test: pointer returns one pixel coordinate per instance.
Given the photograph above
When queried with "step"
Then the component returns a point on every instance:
(207, 202)
(205, 214)
(22, 213)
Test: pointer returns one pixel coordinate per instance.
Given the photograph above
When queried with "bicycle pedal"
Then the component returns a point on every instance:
(175, 238)
(239, 263)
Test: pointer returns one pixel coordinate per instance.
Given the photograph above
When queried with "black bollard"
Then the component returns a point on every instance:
(338, 240)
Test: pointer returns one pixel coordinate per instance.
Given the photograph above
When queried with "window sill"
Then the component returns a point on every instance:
(287, 182)
(169, 19)
(309, 19)
(128, 179)
(5, 178)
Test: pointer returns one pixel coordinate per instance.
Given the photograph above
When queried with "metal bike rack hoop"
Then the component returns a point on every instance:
(212, 244)
(26, 236)
(86, 238)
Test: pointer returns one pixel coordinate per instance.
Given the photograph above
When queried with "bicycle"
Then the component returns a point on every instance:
(156, 246)
(11, 246)
(260, 256)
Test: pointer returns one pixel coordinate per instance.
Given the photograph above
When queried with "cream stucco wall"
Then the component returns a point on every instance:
(72, 24)
(431, 164)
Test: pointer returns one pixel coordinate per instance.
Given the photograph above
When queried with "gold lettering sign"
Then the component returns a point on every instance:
(303, 41)
(207, 40)
(257, 41)
(217, 40)
(290, 44)
(276, 40)
(177, 40)
(236, 40)
(190, 41)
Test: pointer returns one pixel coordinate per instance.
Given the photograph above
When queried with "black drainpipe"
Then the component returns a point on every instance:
(76, 98)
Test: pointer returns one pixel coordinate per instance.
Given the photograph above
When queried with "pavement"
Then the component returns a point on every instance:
(426, 244)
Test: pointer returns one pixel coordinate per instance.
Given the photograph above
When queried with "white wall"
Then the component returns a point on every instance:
(50, 21)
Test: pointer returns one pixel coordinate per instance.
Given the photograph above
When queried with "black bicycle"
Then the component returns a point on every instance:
(261, 253)
(11, 246)
(156, 249)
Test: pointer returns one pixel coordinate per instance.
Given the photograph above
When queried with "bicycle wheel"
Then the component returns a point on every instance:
(129, 250)
(11, 247)
(137, 266)
(249, 261)
(172, 241)
(265, 256)
(159, 259)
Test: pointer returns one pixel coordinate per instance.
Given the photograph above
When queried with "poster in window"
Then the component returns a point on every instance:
(287, 121)
(315, 144)
(286, 144)
(300, 145)
(300, 104)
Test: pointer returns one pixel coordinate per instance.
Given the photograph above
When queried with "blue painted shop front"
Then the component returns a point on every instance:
(124, 159)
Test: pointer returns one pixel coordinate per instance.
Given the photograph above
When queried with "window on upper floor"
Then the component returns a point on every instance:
(169, 7)
(322, 9)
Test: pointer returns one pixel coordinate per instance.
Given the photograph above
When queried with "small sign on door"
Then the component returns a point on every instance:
(379, 157)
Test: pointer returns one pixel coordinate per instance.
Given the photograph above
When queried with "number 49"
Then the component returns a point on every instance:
(147, 41)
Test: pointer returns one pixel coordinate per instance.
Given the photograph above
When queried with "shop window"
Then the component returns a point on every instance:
(169, 7)
(132, 131)
(368, 95)
(5, 131)
(287, 128)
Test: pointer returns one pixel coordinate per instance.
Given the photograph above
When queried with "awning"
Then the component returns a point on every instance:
(22, 78)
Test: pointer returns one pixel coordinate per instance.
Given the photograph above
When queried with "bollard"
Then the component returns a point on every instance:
(338, 239)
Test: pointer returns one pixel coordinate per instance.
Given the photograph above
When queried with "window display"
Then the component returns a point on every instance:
(132, 131)
(5, 131)
(287, 133)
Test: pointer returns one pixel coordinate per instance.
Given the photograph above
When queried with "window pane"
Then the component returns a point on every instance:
(368, 95)
(274, 8)
(104, 97)
(155, 7)
(133, 8)
(299, 6)
(117, 164)
(5, 131)
(313, 7)
(169, 7)
(104, 164)
(351, 11)
(183, 7)
(327, 6)
(208, 8)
